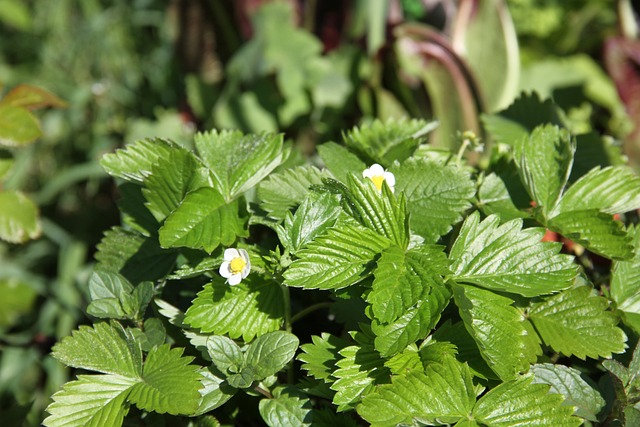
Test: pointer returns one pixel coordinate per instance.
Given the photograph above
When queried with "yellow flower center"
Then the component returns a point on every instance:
(377, 181)
(237, 265)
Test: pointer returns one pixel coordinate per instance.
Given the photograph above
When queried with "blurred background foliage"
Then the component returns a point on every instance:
(129, 69)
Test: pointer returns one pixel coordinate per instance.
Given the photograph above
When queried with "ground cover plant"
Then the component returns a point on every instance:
(383, 282)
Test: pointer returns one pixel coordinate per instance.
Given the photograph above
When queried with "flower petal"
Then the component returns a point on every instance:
(389, 178)
(244, 255)
(234, 279)
(376, 170)
(230, 254)
(224, 270)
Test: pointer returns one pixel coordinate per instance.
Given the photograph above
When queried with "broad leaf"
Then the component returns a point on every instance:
(314, 216)
(271, 352)
(341, 257)
(507, 258)
(519, 402)
(238, 161)
(215, 392)
(202, 221)
(18, 126)
(18, 217)
(289, 407)
(494, 198)
(320, 356)
(134, 162)
(496, 326)
(31, 97)
(575, 322)
(625, 283)
(437, 195)
(444, 393)
(254, 307)
(106, 290)
(92, 400)
(340, 161)
(225, 353)
(569, 383)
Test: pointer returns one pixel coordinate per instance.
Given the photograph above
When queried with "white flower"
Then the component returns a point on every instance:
(378, 175)
(236, 265)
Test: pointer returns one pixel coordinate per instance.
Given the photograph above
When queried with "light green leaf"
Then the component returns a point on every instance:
(225, 354)
(443, 394)
(289, 407)
(340, 161)
(568, 382)
(271, 352)
(496, 326)
(494, 198)
(215, 392)
(405, 362)
(519, 402)
(103, 348)
(437, 195)
(238, 161)
(575, 322)
(507, 258)
(18, 297)
(358, 371)
(284, 190)
(134, 162)
(18, 126)
(595, 230)
(6, 163)
(544, 161)
(18, 217)
(320, 356)
(379, 211)
(92, 400)
(314, 216)
(169, 383)
(254, 307)
(339, 258)
(202, 221)
(106, 290)
(625, 282)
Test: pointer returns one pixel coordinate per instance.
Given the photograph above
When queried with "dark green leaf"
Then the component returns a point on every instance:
(288, 407)
(340, 161)
(494, 198)
(314, 216)
(625, 281)
(134, 162)
(320, 356)
(271, 352)
(225, 353)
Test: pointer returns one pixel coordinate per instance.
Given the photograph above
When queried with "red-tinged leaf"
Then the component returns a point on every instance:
(31, 97)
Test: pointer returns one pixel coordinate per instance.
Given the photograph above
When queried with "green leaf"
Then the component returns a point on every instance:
(135, 213)
(358, 371)
(437, 195)
(238, 161)
(18, 217)
(18, 127)
(106, 290)
(92, 400)
(202, 221)
(284, 190)
(379, 211)
(271, 352)
(254, 307)
(289, 407)
(625, 282)
(496, 326)
(575, 322)
(103, 348)
(314, 216)
(320, 356)
(405, 362)
(595, 230)
(507, 258)
(614, 189)
(568, 382)
(169, 383)
(519, 402)
(18, 297)
(134, 162)
(593, 150)
(385, 142)
(443, 394)
(544, 160)
(215, 392)
(494, 198)
(339, 258)
(6, 163)
(225, 354)
(328, 418)
(340, 161)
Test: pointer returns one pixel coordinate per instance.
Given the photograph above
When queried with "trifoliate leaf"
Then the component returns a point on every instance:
(507, 258)
(494, 198)
(103, 348)
(358, 371)
(134, 162)
(238, 161)
(625, 283)
(443, 394)
(314, 216)
(92, 400)
(341, 257)
(271, 352)
(544, 160)
(496, 326)
(168, 384)
(519, 402)
(437, 195)
(284, 190)
(225, 353)
(202, 221)
(575, 322)
(320, 356)
(215, 392)
(254, 307)
(288, 407)
(340, 161)
(386, 142)
(18, 217)
(568, 382)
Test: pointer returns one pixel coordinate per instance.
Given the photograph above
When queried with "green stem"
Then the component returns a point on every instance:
(461, 151)
(287, 308)
(299, 315)
(263, 392)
